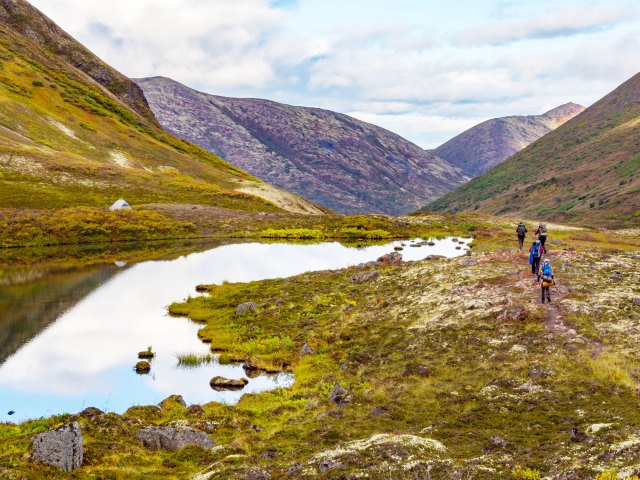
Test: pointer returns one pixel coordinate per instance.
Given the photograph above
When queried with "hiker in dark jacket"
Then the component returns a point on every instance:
(535, 254)
(545, 277)
(541, 231)
(521, 231)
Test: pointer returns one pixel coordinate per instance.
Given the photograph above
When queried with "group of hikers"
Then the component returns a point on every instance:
(543, 272)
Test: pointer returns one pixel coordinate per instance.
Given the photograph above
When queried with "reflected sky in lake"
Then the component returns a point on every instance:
(85, 357)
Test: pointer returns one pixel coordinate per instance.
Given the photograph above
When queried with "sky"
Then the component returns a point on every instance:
(424, 69)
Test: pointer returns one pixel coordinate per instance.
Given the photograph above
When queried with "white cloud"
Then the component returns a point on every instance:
(422, 70)
(557, 23)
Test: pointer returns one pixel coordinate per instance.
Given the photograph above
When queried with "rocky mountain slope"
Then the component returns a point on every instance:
(486, 145)
(22, 17)
(345, 164)
(69, 134)
(584, 172)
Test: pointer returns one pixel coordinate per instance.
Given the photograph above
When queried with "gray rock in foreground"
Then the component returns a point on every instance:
(60, 448)
(173, 438)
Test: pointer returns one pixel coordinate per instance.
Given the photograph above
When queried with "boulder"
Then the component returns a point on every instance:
(91, 412)
(252, 473)
(222, 383)
(306, 350)
(172, 401)
(173, 438)
(363, 277)
(246, 307)
(393, 258)
(60, 448)
(339, 395)
(196, 410)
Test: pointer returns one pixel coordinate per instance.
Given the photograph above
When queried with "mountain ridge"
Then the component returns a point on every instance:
(489, 143)
(330, 158)
(586, 171)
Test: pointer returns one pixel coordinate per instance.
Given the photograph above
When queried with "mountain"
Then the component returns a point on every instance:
(486, 145)
(75, 132)
(584, 172)
(337, 161)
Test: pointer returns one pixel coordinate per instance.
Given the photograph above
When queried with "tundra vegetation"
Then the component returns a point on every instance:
(447, 368)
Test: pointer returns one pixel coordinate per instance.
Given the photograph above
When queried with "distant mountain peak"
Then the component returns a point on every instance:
(491, 142)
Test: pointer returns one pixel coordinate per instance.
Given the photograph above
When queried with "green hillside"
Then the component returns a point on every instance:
(585, 172)
(67, 141)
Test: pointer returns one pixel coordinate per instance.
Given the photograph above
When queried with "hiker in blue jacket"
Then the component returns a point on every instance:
(535, 254)
(545, 277)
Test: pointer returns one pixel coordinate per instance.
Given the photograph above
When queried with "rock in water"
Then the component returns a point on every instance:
(221, 383)
(173, 438)
(60, 448)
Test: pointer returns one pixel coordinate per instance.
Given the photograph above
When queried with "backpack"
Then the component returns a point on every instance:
(546, 270)
(521, 229)
(543, 230)
(535, 250)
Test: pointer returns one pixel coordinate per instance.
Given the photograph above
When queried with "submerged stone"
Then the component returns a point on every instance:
(143, 367)
(61, 448)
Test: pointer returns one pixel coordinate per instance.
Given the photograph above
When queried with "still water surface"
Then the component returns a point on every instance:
(69, 339)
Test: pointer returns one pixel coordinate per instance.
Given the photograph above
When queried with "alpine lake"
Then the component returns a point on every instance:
(70, 334)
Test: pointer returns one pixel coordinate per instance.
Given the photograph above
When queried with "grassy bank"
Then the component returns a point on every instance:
(453, 369)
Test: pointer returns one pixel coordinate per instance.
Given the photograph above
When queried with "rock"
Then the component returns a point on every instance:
(246, 307)
(329, 464)
(394, 258)
(578, 436)
(147, 413)
(511, 314)
(269, 454)
(60, 448)
(143, 367)
(454, 239)
(431, 244)
(458, 247)
(173, 438)
(417, 370)
(11, 412)
(434, 257)
(202, 288)
(636, 300)
(172, 401)
(252, 473)
(339, 395)
(195, 410)
(468, 263)
(496, 443)
(536, 372)
(398, 249)
(377, 411)
(306, 350)
(146, 355)
(222, 383)
(91, 412)
(363, 277)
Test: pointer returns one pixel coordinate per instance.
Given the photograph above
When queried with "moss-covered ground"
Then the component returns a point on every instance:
(454, 370)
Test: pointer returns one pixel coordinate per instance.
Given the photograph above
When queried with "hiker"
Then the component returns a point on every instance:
(545, 277)
(535, 254)
(521, 230)
(541, 231)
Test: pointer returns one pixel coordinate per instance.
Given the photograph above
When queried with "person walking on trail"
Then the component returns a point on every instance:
(521, 231)
(535, 254)
(545, 277)
(541, 231)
